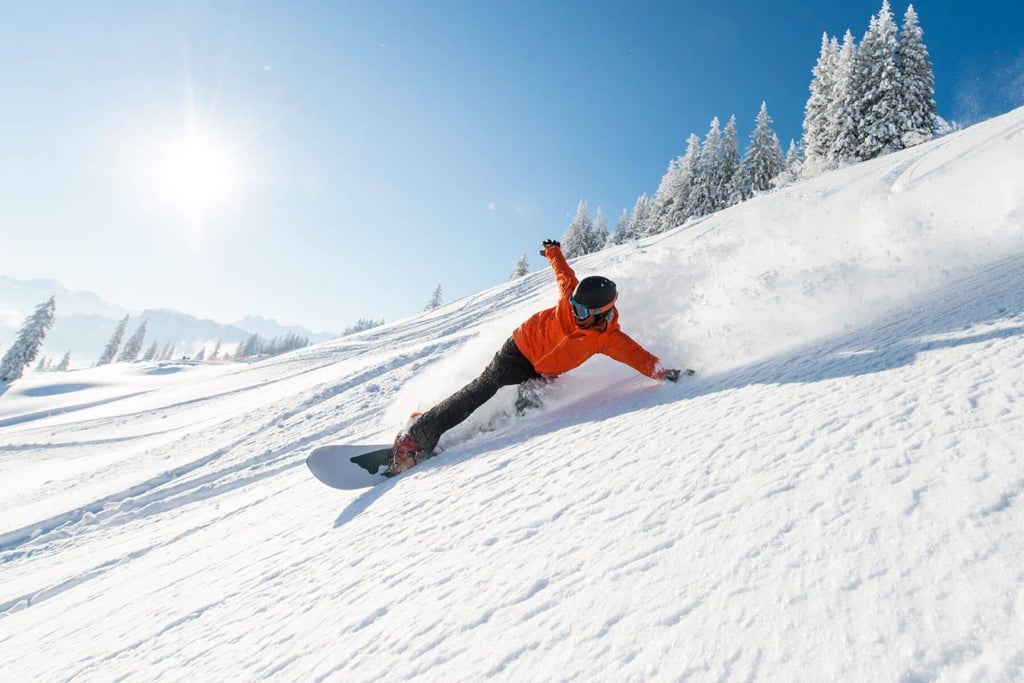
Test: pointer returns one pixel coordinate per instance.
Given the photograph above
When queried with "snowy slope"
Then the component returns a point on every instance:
(838, 495)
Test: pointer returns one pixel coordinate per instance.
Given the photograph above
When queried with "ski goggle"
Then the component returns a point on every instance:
(586, 314)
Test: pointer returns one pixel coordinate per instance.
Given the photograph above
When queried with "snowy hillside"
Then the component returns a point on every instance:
(85, 323)
(838, 494)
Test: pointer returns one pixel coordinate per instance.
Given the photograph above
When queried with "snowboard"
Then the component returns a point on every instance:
(350, 466)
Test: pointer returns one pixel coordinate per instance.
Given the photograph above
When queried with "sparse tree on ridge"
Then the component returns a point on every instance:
(360, 325)
(151, 352)
(114, 344)
(435, 300)
(917, 83)
(28, 342)
(167, 353)
(521, 268)
(216, 351)
(133, 347)
(65, 363)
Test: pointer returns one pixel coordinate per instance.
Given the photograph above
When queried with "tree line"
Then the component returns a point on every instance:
(866, 100)
(29, 341)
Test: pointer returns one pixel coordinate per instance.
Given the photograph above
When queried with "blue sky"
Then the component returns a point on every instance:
(351, 156)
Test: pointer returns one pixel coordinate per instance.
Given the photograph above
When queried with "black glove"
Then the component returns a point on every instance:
(673, 374)
(548, 243)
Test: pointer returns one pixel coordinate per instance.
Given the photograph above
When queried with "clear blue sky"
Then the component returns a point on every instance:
(347, 157)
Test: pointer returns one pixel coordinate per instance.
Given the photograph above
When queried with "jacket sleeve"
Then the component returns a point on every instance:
(621, 347)
(564, 274)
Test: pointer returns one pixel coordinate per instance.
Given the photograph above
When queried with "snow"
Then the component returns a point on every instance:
(838, 494)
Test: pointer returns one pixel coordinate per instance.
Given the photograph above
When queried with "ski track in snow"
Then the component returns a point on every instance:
(838, 495)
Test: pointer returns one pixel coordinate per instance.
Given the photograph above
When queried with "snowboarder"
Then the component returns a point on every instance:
(548, 344)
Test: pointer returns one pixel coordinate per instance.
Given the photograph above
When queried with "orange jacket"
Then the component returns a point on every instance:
(553, 342)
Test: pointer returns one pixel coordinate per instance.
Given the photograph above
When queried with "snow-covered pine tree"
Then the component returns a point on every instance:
(763, 160)
(114, 344)
(842, 110)
(133, 347)
(202, 354)
(65, 363)
(792, 166)
(638, 219)
(28, 342)
(216, 351)
(599, 234)
(435, 300)
(817, 134)
(621, 233)
(732, 191)
(706, 192)
(665, 197)
(673, 196)
(876, 88)
(521, 268)
(44, 364)
(150, 352)
(360, 325)
(167, 353)
(576, 239)
(917, 83)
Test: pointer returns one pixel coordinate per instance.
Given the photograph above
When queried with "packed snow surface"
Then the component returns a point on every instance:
(837, 495)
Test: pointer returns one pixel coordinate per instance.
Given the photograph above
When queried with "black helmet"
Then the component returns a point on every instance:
(595, 292)
(593, 300)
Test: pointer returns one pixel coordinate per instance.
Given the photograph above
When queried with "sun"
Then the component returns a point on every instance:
(197, 176)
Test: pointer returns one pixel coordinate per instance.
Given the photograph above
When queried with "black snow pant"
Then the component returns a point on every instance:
(509, 366)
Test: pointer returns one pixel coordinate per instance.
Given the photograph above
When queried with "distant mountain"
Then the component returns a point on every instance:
(85, 322)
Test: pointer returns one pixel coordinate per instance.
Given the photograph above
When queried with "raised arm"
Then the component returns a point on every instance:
(564, 274)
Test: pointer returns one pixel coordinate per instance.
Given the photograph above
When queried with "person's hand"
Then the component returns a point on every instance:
(673, 375)
(548, 243)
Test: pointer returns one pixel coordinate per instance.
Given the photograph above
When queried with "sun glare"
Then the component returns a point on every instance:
(197, 176)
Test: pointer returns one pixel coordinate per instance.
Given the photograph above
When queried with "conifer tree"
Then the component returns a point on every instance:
(841, 112)
(65, 363)
(133, 347)
(621, 233)
(521, 268)
(28, 342)
(216, 351)
(435, 300)
(599, 233)
(114, 344)
(577, 238)
(151, 352)
(763, 161)
(817, 134)
(731, 178)
(706, 193)
(202, 354)
(916, 83)
(167, 353)
(638, 220)
(876, 88)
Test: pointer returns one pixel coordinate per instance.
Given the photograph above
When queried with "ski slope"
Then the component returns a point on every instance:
(838, 494)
